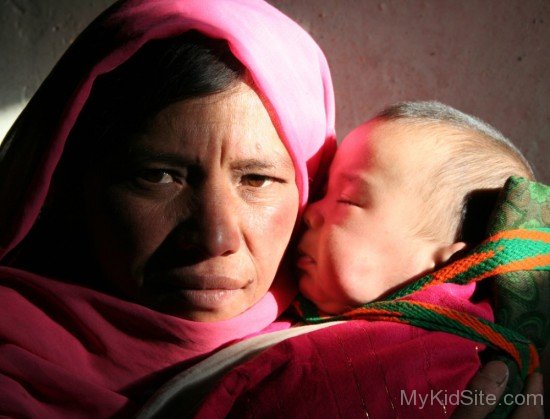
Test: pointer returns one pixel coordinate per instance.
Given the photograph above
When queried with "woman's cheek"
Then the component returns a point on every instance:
(129, 229)
(271, 226)
(142, 222)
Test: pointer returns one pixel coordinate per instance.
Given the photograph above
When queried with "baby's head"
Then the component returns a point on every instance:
(403, 190)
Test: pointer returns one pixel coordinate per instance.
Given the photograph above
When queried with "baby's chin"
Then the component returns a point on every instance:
(304, 285)
(325, 305)
(332, 308)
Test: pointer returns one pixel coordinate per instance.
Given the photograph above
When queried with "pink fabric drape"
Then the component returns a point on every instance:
(71, 351)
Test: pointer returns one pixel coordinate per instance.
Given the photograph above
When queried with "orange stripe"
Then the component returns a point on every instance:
(520, 265)
(480, 327)
(460, 266)
(462, 318)
(380, 315)
(521, 234)
(385, 318)
(373, 311)
(375, 314)
(535, 361)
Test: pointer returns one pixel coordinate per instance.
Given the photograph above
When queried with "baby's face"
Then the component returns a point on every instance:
(361, 240)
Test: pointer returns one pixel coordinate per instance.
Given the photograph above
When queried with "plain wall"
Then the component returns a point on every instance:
(485, 57)
(488, 58)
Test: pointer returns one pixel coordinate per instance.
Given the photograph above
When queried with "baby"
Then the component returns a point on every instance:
(399, 201)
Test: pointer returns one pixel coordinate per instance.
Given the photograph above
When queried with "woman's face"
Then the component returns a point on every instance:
(193, 217)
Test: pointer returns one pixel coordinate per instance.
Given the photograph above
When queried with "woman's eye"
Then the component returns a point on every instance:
(256, 181)
(158, 176)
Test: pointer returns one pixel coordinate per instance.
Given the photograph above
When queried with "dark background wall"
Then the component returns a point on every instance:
(486, 57)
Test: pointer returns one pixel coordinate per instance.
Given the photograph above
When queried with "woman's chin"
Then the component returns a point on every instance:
(202, 305)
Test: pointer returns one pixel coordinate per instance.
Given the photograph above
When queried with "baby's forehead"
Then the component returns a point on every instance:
(397, 143)
(407, 131)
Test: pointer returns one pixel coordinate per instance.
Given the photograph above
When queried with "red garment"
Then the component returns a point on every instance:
(382, 369)
(346, 371)
(70, 351)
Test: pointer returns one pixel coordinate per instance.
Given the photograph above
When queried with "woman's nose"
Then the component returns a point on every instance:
(313, 216)
(218, 231)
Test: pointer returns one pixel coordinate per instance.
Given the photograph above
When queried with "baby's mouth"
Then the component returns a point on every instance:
(305, 260)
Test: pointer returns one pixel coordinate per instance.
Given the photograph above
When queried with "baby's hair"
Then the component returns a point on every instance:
(473, 162)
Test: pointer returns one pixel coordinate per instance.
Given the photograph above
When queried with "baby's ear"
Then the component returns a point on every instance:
(447, 251)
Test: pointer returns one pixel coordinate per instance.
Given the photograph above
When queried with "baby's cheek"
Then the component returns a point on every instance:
(337, 249)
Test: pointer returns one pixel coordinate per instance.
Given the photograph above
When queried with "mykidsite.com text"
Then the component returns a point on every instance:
(466, 398)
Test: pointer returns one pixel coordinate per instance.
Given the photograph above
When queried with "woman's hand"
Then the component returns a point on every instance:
(491, 380)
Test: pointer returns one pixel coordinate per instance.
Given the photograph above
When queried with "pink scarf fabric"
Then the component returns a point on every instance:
(71, 351)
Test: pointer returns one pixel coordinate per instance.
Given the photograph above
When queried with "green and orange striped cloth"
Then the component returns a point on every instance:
(518, 247)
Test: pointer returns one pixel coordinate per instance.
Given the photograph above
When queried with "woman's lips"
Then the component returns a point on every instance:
(203, 292)
(181, 279)
(208, 299)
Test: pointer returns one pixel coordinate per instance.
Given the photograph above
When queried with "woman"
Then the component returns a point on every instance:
(116, 207)
(218, 249)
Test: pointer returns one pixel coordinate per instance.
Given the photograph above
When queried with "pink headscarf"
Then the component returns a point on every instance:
(72, 351)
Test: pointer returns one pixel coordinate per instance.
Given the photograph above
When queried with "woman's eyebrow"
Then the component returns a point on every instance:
(265, 164)
(146, 155)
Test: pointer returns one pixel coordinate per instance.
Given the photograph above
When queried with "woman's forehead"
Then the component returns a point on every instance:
(234, 122)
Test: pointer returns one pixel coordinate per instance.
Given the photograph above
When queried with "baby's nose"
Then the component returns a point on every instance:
(313, 216)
